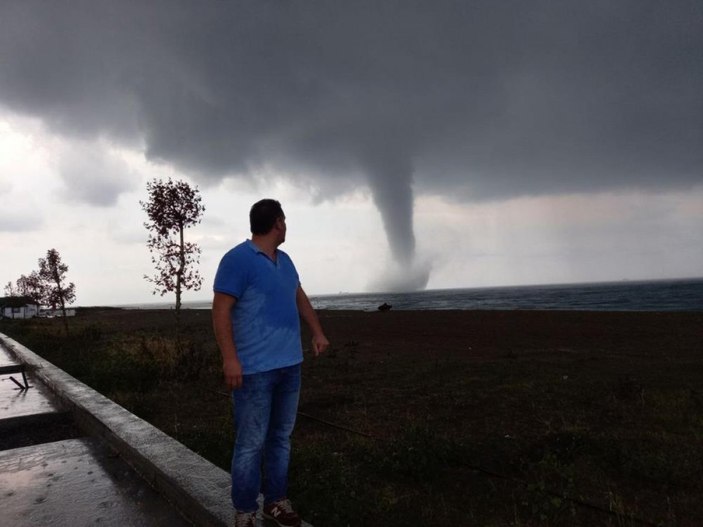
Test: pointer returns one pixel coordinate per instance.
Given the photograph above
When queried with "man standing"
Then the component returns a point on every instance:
(256, 314)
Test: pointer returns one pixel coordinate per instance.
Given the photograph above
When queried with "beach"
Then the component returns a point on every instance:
(493, 417)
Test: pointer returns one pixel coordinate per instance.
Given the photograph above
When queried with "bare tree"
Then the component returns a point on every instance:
(52, 272)
(172, 208)
(9, 289)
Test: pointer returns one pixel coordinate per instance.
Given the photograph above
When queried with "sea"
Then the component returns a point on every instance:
(651, 295)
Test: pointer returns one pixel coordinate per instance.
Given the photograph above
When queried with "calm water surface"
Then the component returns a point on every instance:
(656, 295)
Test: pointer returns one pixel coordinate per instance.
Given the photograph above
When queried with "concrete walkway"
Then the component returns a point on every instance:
(108, 467)
(77, 482)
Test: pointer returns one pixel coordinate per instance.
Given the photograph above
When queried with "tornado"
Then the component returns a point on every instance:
(390, 180)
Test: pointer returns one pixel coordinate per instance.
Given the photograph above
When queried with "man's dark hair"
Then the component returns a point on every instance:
(263, 215)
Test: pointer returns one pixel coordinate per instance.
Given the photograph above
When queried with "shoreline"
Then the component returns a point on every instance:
(681, 294)
(94, 309)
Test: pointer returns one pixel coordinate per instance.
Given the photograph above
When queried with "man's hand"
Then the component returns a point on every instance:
(233, 373)
(319, 341)
(222, 306)
(319, 344)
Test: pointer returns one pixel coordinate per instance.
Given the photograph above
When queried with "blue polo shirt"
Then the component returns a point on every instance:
(265, 317)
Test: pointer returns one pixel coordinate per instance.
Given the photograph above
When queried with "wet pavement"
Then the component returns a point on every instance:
(77, 482)
(48, 479)
(33, 416)
(16, 403)
(71, 457)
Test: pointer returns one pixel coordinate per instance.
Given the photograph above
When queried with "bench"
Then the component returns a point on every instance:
(16, 368)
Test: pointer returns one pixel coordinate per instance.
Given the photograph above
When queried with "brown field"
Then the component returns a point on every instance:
(439, 417)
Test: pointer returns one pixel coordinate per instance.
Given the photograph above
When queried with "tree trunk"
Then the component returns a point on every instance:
(63, 311)
(63, 302)
(179, 273)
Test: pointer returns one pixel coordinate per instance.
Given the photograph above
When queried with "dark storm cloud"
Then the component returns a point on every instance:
(473, 100)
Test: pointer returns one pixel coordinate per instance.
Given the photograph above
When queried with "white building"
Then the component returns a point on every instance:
(51, 313)
(18, 307)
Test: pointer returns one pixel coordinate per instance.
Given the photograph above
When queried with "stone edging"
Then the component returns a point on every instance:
(196, 487)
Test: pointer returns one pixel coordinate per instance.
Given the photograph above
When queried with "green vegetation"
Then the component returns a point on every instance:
(487, 419)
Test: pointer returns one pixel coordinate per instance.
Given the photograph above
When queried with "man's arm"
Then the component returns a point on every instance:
(222, 305)
(319, 341)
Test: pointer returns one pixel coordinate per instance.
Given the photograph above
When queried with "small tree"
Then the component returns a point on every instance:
(172, 208)
(9, 289)
(31, 286)
(52, 272)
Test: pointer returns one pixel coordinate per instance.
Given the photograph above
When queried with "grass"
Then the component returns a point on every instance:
(490, 419)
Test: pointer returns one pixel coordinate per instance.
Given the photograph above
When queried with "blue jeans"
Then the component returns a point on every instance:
(264, 416)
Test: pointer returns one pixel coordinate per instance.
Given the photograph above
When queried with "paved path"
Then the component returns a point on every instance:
(69, 482)
(77, 482)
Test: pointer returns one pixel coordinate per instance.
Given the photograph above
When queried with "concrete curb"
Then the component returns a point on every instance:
(193, 485)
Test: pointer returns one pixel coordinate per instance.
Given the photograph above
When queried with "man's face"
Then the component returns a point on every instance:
(281, 228)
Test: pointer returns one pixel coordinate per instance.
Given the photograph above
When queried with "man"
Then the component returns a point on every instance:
(256, 313)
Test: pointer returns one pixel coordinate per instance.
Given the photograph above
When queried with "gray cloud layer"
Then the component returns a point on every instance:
(473, 100)
(91, 175)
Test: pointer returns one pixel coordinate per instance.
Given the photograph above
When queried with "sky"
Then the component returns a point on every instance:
(412, 144)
